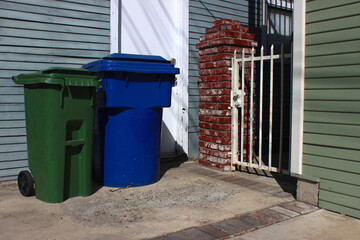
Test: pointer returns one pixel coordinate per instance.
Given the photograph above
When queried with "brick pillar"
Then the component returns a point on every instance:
(216, 49)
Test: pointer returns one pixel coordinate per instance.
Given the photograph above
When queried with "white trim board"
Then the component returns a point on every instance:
(298, 87)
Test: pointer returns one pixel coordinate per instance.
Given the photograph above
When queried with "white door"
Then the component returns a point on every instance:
(160, 27)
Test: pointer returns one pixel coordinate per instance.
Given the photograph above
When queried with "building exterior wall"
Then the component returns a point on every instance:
(331, 147)
(202, 14)
(38, 34)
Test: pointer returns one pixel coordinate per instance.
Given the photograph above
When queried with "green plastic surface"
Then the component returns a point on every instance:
(59, 125)
(60, 76)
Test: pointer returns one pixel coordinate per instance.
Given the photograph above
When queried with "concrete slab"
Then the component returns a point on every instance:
(184, 197)
(319, 225)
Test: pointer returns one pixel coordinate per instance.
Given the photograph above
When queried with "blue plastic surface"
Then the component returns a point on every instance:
(136, 88)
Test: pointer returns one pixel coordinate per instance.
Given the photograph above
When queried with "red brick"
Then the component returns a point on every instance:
(204, 72)
(203, 45)
(244, 29)
(205, 125)
(224, 134)
(248, 36)
(205, 151)
(223, 106)
(221, 140)
(206, 98)
(221, 99)
(226, 120)
(222, 56)
(205, 85)
(236, 22)
(222, 21)
(204, 59)
(209, 78)
(219, 71)
(205, 138)
(220, 85)
(221, 127)
(222, 63)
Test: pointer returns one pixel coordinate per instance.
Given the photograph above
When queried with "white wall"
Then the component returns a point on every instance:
(159, 27)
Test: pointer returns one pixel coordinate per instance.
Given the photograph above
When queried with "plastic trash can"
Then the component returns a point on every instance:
(137, 88)
(59, 109)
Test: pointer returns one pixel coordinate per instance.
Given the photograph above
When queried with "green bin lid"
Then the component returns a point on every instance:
(61, 76)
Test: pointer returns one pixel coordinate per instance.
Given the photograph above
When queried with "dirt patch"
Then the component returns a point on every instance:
(133, 204)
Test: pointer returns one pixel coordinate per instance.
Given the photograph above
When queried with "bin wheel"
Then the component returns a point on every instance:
(26, 183)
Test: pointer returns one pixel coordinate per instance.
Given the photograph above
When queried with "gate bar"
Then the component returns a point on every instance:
(281, 106)
(251, 109)
(271, 103)
(242, 106)
(261, 104)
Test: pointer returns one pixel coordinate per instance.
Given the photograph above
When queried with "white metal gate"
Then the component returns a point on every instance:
(237, 102)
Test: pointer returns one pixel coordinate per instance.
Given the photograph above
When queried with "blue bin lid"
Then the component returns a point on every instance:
(132, 63)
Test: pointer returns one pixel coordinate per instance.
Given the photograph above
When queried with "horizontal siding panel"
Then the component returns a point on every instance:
(12, 107)
(45, 59)
(12, 132)
(334, 36)
(50, 52)
(12, 123)
(339, 208)
(52, 19)
(333, 25)
(42, 10)
(332, 163)
(333, 129)
(334, 60)
(5, 76)
(317, 5)
(333, 13)
(337, 71)
(218, 6)
(11, 99)
(15, 41)
(13, 156)
(52, 27)
(329, 117)
(10, 172)
(332, 140)
(333, 94)
(8, 178)
(332, 83)
(99, 3)
(12, 90)
(5, 148)
(13, 164)
(45, 35)
(65, 5)
(349, 201)
(9, 140)
(339, 187)
(332, 48)
(333, 106)
(34, 66)
(331, 174)
(347, 154)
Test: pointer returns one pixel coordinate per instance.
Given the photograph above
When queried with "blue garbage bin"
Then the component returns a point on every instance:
(137, 88)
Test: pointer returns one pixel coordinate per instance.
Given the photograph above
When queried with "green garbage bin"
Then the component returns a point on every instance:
(59, 110)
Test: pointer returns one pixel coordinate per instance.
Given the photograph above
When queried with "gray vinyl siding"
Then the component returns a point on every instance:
(202, 14)
(38, 34)
(332, 103)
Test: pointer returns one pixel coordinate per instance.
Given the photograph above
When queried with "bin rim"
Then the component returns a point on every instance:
(134, 63)
(60, 76)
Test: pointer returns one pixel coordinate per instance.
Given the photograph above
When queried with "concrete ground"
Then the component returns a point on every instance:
(188, 202)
